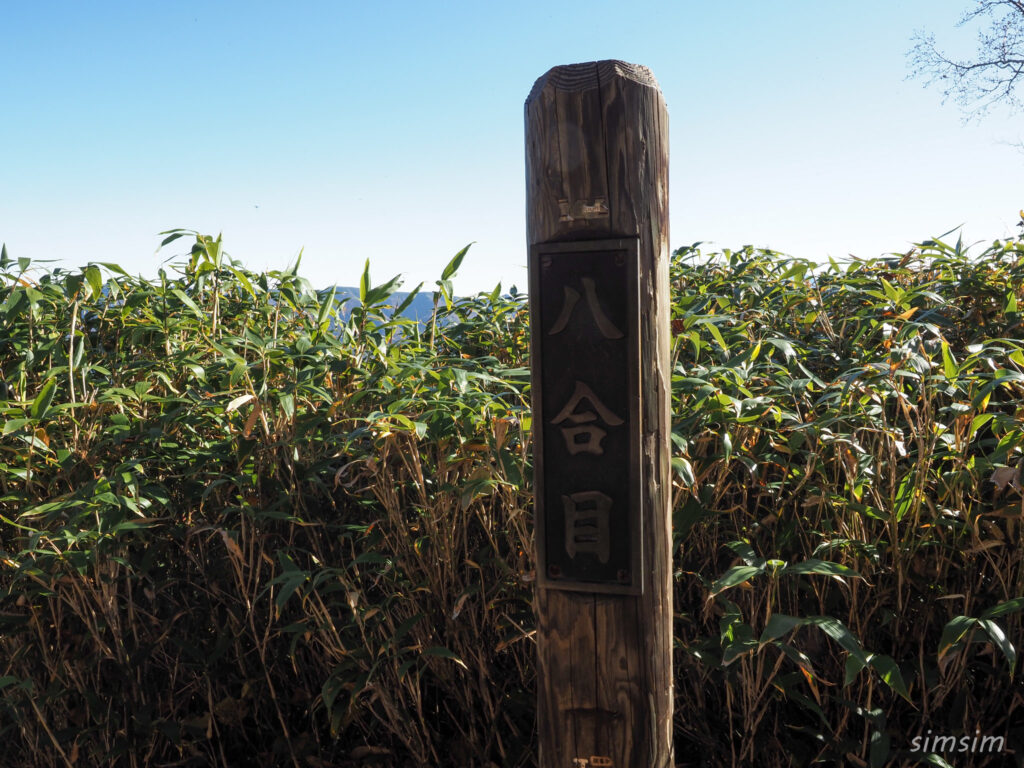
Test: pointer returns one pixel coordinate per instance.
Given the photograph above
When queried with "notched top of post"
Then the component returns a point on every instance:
(590, 74)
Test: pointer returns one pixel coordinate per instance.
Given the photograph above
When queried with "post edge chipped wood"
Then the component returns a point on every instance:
(597, 227)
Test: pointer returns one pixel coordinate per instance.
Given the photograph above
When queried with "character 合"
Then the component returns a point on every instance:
(585, 438)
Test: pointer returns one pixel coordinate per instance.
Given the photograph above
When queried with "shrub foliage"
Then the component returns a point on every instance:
(241, 524)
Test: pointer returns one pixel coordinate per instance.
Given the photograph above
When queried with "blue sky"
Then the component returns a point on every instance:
(394, 130)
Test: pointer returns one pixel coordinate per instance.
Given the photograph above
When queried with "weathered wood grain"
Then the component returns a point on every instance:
(596, 168)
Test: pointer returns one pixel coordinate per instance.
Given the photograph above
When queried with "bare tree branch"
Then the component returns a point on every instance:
(996, 73)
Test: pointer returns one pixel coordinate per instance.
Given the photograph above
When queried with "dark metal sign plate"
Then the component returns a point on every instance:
(585, 321)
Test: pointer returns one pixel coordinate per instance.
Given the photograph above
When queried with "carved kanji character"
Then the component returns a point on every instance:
(586, 523)
(592, 434)
(608, 330)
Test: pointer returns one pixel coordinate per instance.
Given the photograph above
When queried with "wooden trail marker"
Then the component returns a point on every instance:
(597, 226)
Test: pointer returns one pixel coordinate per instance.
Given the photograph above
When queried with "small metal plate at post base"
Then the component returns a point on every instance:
(585, 365)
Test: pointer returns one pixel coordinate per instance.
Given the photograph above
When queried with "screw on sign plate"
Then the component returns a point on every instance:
(594, 761)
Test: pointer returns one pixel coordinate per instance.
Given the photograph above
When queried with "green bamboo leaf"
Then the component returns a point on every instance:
(41, 405)
(954, 632)
(237, 373)
(999, 638)
(326, 304)
(1010, 606)
(893, 293)
(7, 680)
(293, 270)
(797, 271)
(890, 673)
(188, 303)
(841, 634)
(687, 516)
(364, 283)
(115, 268)
(287, 405)
(406, 666)
(244, 280)
(15, 302)
(408, 300)
(979, 421)
(216, 252)
(734, 576)
(879, 749)
(453, 265)
(1000, 377)
(13, 425)
(717, 334)
(684, 471)
(238, 402)
(95, 280)
(332, 687)
(852, 667)
(784, 346)
(403, 629)
(744, 550)
(174, 235)
(949, 366)
(822, 567)
(381, 292)
(740, 646)
(73, 286)
(437, 650)
(446, 293)
(289, 582)
(369, 557)
(797, 657)
(778, 625)
(905, 495)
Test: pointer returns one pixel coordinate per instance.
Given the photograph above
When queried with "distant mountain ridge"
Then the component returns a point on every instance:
(419, 309)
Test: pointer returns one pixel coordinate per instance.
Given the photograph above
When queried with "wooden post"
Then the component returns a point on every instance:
(597, 226)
